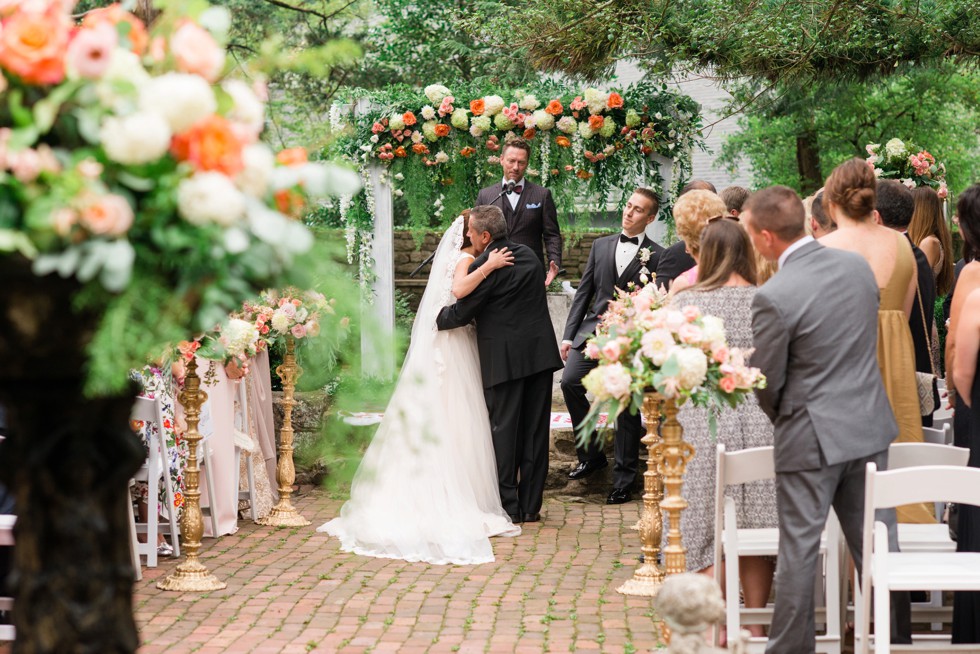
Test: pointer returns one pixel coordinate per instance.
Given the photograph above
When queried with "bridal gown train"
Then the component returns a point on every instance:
(426, 489)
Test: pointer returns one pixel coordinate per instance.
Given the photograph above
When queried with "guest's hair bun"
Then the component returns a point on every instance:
(852, 188)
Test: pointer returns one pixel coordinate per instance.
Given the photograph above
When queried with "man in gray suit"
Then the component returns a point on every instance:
(815, 326)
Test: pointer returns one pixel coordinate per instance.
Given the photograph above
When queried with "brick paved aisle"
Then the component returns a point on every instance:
(553, 589)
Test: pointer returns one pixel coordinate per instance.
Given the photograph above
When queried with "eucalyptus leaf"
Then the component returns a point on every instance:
(17, 241)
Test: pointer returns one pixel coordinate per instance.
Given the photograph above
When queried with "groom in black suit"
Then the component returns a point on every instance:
(518, 355)
(529, 210)
(615, 261)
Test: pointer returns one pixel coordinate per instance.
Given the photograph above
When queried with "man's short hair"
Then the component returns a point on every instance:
(698, 185)
(518, 143)
(735, 197)
(894, 203)
(820, 214)
(649, 194)
(779, 210)
(488, 218)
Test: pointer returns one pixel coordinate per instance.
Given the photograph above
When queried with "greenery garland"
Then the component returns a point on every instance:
(440, 145)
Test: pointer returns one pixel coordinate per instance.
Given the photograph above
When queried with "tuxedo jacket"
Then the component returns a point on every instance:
(534, 220)
(672, 263)
(513, 327)
(599, 283)
(815, 328)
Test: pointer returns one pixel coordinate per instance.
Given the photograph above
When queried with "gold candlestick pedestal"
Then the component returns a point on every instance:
(649, 576)
(284, 514)
(675, 453)
(192, 575)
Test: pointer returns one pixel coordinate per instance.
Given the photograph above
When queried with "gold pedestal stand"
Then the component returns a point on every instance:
(674, 454)
(648, 577)
(284, 514)
(192, 575)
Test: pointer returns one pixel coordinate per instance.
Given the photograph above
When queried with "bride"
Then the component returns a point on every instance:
(426, 489)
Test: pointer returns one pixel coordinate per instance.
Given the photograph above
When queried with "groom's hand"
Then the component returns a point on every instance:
(563, 350)
(552, 273)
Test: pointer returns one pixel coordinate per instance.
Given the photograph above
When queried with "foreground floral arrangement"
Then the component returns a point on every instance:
(133, 164)
(644, 343)
(909, 164)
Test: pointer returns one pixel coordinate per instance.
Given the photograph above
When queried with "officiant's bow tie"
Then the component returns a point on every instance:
(518, 189)
(623, 238)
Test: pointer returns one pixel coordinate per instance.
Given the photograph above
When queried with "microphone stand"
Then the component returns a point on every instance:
(507, 188)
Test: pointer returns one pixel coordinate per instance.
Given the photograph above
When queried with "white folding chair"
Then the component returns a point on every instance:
(942, 416)
(883, 571)
(7, 523)
(154, 471)
(731, 542)
(134, 541)
(942, 435)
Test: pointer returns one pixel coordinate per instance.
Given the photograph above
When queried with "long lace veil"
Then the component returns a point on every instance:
(439, 289)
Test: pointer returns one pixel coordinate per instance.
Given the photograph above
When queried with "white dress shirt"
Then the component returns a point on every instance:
(793, 248)
(513, 198)
(626, 252)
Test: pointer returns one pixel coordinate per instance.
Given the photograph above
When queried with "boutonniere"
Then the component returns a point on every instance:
(643, 255)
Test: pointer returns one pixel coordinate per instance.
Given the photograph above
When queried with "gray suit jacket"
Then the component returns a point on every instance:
(815, 325)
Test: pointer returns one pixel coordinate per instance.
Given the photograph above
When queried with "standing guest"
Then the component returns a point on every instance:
(850, 198)
(675, 258)
(929, 232)
(615, 262)
(820, 223)
(962, 323)
(734, 197)
(529, 209)
(725, 288)
(816, 324)
(692, 213)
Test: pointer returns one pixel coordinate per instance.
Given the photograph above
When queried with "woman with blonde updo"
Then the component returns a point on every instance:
(692, 213)
(849, 198)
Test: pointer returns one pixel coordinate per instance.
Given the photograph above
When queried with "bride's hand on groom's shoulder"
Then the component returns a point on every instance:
(500, 258)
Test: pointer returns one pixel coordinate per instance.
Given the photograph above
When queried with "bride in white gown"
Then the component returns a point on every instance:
(426, 489)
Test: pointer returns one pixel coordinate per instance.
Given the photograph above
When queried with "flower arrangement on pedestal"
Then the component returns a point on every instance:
(644, 343)
(909, 164)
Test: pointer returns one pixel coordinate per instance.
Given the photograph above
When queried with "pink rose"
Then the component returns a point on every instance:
(26, 165)
(377, 128)
(611, 350)
(720, 354)
(313, 328)
(942, 191)
(690, 334)
(63, 219)
(691, 313)
(197, 52)
(108, 215)
(298, 331)
(727, 384)
(90, 52)
(592, 350)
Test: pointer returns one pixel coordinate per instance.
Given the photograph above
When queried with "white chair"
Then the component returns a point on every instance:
(242, 414)
(942, 416)
(154, 471)
(942, 435)
(883, 571)
(204, 459)
(134, 541)
(756, 464)
(7, 523)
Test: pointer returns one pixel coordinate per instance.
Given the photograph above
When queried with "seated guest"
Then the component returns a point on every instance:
(725, 288)
(675, 258)
(734, 197)
(850, 197)
(815, 326)
(692, 211)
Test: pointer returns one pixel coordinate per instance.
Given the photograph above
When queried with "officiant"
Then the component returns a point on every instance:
(529, 209)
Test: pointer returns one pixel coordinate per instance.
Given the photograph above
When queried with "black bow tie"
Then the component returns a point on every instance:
(623, 238)
(517, 189)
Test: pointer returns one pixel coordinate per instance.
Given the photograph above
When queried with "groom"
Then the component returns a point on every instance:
(518, 355)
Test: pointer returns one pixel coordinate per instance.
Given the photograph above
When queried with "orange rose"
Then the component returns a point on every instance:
(419, 148)
(115, 14)
(292, 157)
(554, 108)
(442, 129)
(467, 151)
(210, 144)
(615, 101)
(289, 202)
(529, 134)
(477, 107)
(409, 118)
(582, 174)
(595, 122)
(400, 151)
(32, 45)
(563, 141)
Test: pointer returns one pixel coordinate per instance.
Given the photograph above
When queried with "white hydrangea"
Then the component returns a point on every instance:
(567, 124)
(238, 335)
(209, 197)
(428, 113)
(895, 148)
(139, 138)
(396, 122)
(693, 365)
(529, 102)
(460, 119)
(247, 110)
(182, 99)
(436, 92)
(492, 105)
(124, 75)
(608, 127)
(713, 329)
(585, 131)
(429, 130)
(543, 120)
(502, 122)
(596, 100)
(259, 164)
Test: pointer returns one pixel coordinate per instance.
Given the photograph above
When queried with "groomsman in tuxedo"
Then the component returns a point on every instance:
(518, 356)
(528, 208)
(615, 261)
(675, 258)
(815, 326)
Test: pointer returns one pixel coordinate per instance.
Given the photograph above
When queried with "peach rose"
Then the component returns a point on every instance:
(563, 141)
(292, 157)
(63, 220)
(409, 118)
(477, 107)
(400, 152)
(32, 45)
(210, 144)
(615, 101)
(596, 122)
(112, 16)
(108, 215)
(554, 108)
(442, 129)
(727, 384)
(197, 52)
(90, 51)
(529, 133)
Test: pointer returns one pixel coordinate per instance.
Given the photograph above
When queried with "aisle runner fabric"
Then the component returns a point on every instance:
(558, 420)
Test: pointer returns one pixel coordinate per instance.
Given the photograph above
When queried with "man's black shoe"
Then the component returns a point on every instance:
(532, 517)
(619, 496)
(516, 519)
(583, 470)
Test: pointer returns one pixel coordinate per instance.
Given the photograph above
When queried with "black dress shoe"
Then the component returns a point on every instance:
(516, 519)
(532, 517)
(619, 496)
(583, 470)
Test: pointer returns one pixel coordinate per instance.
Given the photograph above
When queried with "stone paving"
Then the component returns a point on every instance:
(552, 589)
